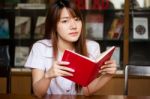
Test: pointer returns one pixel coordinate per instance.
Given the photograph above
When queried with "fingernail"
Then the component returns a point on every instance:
(67, 62)
(72, 70)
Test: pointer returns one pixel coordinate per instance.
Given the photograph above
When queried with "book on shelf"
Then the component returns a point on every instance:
(36, 1)
(31, 6)
(147, 3)
(80, 4)
(86, 69)
(88, 4)
(116, 55)
(94, 26)
(99, 4)
(4, 28)
(40, 27)
(21, 54)
(118, 4)
(22, 27)
(116, 29)
(140, 28)
(4, 55)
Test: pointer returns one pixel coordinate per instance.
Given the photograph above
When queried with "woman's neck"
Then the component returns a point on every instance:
(62, 46)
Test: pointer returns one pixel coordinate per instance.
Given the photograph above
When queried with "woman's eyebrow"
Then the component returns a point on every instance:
(64, 17)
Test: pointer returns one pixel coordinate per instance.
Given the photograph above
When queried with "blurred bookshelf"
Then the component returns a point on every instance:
(109, 22)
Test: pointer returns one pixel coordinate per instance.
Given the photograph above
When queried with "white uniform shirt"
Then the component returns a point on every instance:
(41, 57)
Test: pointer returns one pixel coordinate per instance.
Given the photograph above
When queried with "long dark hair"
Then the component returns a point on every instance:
(53, 16)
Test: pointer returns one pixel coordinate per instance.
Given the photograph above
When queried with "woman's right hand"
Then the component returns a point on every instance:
(59, 69)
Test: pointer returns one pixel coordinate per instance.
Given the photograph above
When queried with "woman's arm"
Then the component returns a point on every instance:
(40, 82)
(107, 71)
(41, 79)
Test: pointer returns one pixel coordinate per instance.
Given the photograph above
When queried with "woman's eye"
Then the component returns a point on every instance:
(77, 19)
(64, 21)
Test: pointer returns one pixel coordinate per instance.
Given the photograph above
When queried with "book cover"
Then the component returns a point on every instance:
(40, 27)
(4, 29)
(21, 53)
(116, 28)
(4, 56)
(80, 4)
(140, 28)
(22, 27)
(94, 26)
(86, 70)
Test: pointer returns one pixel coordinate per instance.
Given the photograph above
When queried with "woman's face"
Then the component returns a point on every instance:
(68, 27)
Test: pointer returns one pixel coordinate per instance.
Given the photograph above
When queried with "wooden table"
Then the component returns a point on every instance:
(14, 96)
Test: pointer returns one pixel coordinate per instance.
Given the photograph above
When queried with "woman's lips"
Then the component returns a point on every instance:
(73, 33)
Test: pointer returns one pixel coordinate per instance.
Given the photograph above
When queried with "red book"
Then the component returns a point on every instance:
(86, 70)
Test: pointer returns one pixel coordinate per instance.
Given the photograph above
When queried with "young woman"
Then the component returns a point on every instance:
(64, 30)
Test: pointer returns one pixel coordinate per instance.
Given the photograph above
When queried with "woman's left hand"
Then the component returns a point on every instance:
(109, 67)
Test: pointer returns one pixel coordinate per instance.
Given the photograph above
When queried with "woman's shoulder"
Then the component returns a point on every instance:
(93, 49)
(91, 43)
(92, 46)
(42, 45)
(44, 42)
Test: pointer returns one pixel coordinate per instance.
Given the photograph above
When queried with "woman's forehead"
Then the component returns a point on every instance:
(66, 12)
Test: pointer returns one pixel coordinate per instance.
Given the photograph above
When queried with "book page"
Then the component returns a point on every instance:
(105, 53)
(82, 56)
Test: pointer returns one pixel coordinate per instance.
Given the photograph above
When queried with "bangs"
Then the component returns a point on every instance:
(75, 13)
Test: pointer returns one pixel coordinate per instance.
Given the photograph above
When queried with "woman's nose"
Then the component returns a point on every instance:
(73, 24)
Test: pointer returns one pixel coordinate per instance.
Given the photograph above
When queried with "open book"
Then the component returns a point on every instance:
(86, 70)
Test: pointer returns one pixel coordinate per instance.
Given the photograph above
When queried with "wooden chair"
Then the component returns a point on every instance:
(5, 73)
(133, 70)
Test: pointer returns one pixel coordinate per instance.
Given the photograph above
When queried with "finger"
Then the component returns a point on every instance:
(109, 70)
(64, 73)
(110, 62)
(109, 66)
(63, 63)
(66, 68)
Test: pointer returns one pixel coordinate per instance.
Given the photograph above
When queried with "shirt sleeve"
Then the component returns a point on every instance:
(93, 49)
(35, 59)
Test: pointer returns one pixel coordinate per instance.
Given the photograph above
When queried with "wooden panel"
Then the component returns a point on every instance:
(21, 83)
(3, 85)
(139, 86)
(114, 87)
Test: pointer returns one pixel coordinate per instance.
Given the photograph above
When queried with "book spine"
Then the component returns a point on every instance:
(80, 4)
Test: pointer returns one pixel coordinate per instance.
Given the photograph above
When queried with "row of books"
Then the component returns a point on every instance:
(138, 4)
(22, 52)
(22, 28)
(110, 4)
(83, 4)
(94, 27)
(100, 4)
